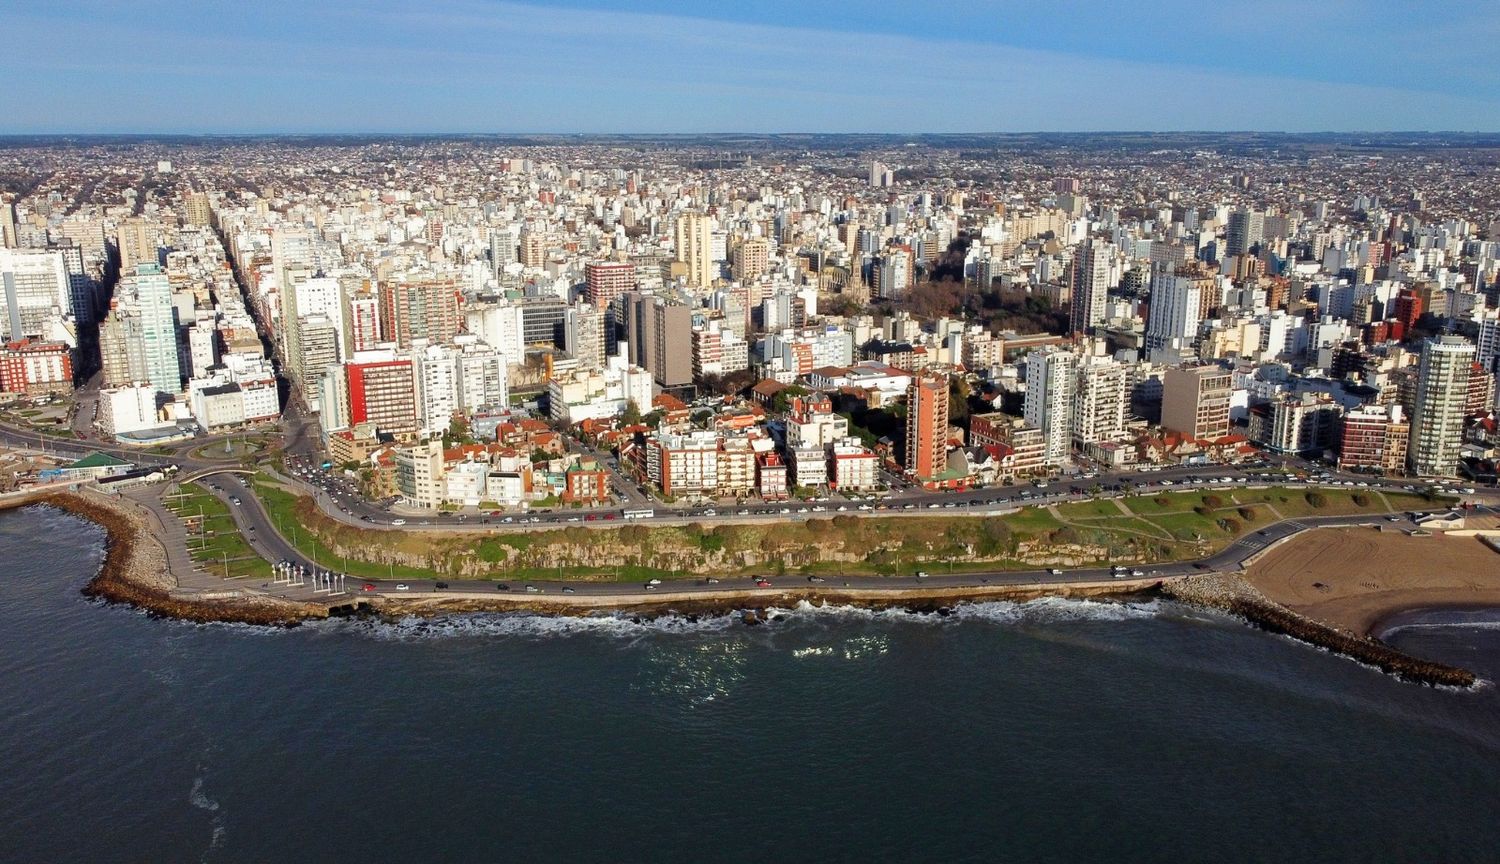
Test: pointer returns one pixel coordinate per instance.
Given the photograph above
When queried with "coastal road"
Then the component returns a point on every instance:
(339, 500)
(253, 519)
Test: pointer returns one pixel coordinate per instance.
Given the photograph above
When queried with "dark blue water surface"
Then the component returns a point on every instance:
(1054, 731)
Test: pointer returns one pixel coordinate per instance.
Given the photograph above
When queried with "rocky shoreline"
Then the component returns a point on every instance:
(135, 572)
(1232, 594)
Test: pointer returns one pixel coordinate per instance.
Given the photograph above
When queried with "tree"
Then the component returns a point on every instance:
(958, 401)
(458, 430)
(783, 398)
(632, 414)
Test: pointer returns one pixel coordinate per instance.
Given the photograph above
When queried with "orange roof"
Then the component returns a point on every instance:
(668, 402)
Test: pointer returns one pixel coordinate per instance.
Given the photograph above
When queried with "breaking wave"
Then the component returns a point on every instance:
(629, 626)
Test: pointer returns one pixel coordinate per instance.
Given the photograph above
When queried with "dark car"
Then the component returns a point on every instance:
(441, 586)
(501, 586)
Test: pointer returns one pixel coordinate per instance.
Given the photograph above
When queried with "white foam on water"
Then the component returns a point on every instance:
(1443, 625)
(527, 625)
(200, 800)
(532, 626)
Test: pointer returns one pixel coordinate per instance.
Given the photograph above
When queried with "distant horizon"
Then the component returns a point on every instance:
(841, 65)
(736, 133)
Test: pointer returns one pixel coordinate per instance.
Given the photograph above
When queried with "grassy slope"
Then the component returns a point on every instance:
(1168, 526)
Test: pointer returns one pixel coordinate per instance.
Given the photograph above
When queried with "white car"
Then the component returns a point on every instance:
(398, 521)
(402, 586)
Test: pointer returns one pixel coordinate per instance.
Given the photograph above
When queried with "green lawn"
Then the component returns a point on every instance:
(281, 506)
(1089, 509)
(1032, 520)
(1162, 530)
(215, 541)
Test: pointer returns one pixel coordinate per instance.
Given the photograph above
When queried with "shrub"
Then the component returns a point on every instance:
(1230, 526)
(1360, 499)
(1317, 499)
(1162, 500)
(1201, 510)
(1213, 502)
(1247, 513)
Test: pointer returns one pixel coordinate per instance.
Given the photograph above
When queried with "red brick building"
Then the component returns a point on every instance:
(35, 368)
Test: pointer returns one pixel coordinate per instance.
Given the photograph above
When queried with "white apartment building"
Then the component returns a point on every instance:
(1437, 418)
(420, 474)
(1051, 379)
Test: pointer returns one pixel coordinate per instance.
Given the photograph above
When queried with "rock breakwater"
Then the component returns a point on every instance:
(1230, 593)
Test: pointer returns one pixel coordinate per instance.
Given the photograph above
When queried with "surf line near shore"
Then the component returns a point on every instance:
(135, 572)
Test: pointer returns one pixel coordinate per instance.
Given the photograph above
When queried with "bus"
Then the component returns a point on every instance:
(638, 514)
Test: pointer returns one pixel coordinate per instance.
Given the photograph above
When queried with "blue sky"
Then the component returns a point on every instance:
(747, 65)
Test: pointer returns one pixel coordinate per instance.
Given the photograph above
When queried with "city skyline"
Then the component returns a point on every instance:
(595, 67)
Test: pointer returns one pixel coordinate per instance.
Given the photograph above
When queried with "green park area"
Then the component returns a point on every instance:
(1143, 530)
(212, 537)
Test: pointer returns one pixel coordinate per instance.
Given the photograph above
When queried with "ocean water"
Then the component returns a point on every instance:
(1051, 731)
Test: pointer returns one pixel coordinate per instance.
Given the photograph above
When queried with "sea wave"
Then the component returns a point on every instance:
(200, 800)
(621, 625)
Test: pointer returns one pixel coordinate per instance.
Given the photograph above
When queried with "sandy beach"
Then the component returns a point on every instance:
(1353, 578)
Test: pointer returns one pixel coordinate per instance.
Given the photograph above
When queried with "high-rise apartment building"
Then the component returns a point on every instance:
(895, 274)
(1101, 401)
(136, 240)
(34, 289)
(364, 323)
(504, 244)
(583, 334)
(1437, 415)
(718, 350)
(659, 335)
(424, 308)
(1195, 401)
(321, 344)
(1092, 264)
(196, 210)
(1176, 311)
(693, 235)
(438, 390)
(1246, 230)
(149, 293)
(1374, 438)
(1051, 382)
(383, 393)
(533, 251)
(606, 280)
(927, 427)
(751, 258)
